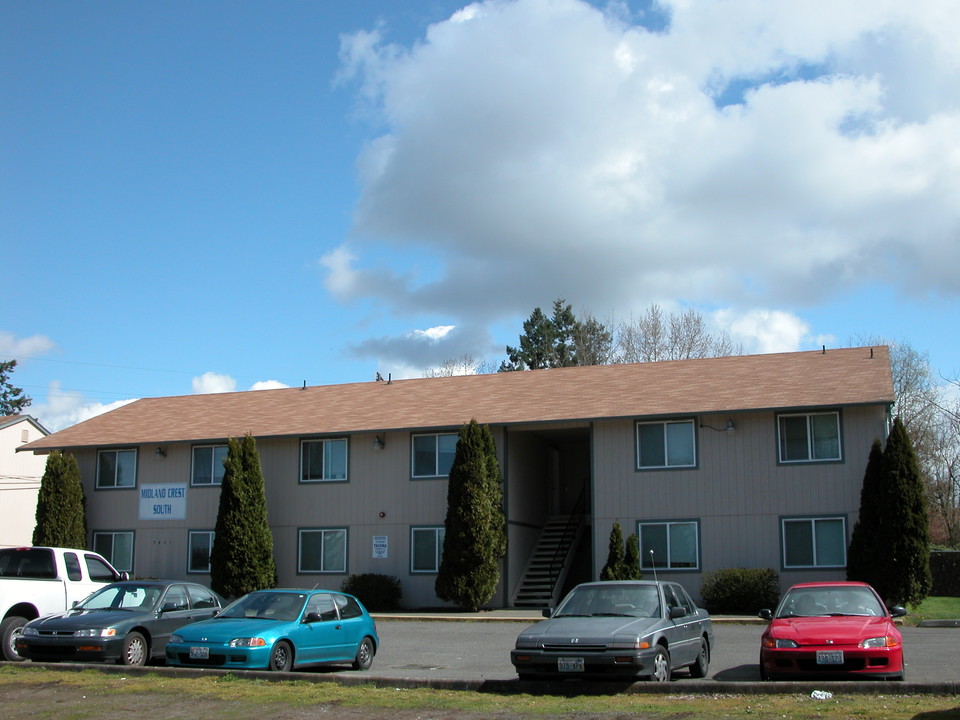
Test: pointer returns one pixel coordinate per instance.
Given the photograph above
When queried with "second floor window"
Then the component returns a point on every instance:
(812, 437)
(432, 455)
(670, 444)
(117, 469)
(208, 464)
(323, 460)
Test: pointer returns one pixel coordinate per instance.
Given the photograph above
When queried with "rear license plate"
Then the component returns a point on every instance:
(829, 657)
(199, 653)
(570, 664)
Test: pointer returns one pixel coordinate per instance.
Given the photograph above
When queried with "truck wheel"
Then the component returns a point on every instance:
(10, 630)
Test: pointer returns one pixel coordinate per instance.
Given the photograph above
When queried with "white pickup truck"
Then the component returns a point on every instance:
(38, 581)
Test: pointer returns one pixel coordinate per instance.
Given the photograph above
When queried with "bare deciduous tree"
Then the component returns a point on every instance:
(678, 336)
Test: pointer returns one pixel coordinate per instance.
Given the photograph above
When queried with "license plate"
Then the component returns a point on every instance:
(200, 653)
(570, 664)
(829, 657)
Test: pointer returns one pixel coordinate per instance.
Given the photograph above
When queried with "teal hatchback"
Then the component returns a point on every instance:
(279, 630)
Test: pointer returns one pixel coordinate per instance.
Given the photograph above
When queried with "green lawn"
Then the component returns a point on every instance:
(935, 608)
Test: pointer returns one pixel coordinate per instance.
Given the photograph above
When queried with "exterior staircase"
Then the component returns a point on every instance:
(547, 568)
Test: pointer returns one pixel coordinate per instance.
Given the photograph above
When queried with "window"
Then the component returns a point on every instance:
(666, 445)
(426, 549)
(809, 438)
(208, 464)
(201, 598)
(201, 545)
(323, 551)
(117, 469)
(433, 455)
(323, 460)
(117, 548)
(98, 570)
(73, 566)
(669, 545)
(814, 542)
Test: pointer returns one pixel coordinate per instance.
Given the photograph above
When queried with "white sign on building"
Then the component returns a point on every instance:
(380, 543)
(163, 502)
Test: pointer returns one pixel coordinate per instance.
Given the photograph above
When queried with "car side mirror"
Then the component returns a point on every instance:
(547, 612)
(766, 614)
(677, 612)
(898, 611)
(312, 617)
(124, 576)
(169, 607)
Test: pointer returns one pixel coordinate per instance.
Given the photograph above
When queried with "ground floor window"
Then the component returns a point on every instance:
(201, 545)
(814, 542)
(322, 550)
(669, 545)
(116, 547)
(426, 549)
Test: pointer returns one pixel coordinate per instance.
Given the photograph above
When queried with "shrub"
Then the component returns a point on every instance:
(740, 590)
(376, 592)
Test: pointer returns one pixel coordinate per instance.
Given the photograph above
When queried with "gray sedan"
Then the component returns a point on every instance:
(618, 629)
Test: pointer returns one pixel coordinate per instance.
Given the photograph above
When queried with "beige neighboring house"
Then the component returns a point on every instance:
(20, 475)
(747, 461)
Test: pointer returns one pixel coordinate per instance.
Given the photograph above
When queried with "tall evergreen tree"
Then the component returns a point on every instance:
(867, 544)
(613, 569)
(12, 399)
(241, 559)
(475, 538)
(61, 505)
(631, 559)
(904, 576)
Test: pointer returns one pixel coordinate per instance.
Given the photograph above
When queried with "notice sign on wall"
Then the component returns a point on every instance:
(379, 546)
(163, 502)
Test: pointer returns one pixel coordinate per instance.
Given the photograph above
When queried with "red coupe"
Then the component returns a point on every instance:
(831, 628)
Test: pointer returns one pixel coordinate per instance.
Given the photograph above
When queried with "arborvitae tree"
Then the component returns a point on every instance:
(904, 575)
(631, 559)
(613, 569)
(61, 505)
(12, 399)
(475, 537)
(241, 559)
(867, 544)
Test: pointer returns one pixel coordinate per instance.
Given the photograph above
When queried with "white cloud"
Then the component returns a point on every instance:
(211, 382)
(764, 331)
(542, 149)
(67, 407)
(268, 385)
(25, 347)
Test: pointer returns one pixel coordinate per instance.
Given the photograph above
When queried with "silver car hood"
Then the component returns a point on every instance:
(595, 628)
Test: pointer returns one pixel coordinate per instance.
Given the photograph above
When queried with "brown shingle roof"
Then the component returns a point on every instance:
(850, 376)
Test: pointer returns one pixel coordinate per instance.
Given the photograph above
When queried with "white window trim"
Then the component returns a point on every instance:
(810, 458)
(190, 534)
(113, 535)
(644, 555)
(324, 442)
(323, 532)
(812, 519)
(213, 460)
(117, 451)
(666, 448)
(438, 548)
(436, 455)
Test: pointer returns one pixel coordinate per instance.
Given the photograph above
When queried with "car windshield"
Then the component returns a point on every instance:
(267, 606)
(123, 597)
(830, 600)
(611, 601)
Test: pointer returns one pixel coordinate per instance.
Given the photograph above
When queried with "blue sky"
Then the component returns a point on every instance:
(200, 196)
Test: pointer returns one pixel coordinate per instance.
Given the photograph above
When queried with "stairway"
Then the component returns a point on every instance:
(548, 565)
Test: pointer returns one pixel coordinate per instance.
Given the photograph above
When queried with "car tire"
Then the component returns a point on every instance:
(364, 658)
(661, 665)
(763, 672)
(700, 668)
(10, 630)
(135, 651)
(281, 657)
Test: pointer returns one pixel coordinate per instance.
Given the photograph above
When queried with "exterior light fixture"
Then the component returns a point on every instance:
(161, 452)
(378, 442)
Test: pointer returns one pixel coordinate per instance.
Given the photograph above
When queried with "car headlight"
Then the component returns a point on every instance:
(630, 642)
(247, 642)
(29, 631)
(175, 639)
(528, 641)
(879, 642)
(95, 632)
(780, 643)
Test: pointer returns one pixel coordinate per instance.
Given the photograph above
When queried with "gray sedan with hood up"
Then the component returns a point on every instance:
(620, 629)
